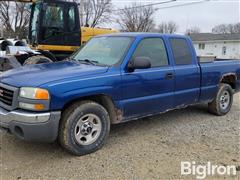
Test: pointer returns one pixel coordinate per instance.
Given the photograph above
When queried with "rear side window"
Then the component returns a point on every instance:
(181, 52)
(153, 48)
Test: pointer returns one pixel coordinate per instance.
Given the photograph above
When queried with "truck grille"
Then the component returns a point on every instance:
(8, 96)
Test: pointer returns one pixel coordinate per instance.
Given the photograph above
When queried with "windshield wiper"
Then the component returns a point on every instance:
(70, 59)
(86, 61)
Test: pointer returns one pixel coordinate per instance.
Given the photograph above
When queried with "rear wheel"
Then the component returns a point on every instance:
(84, 128)
(39, 59)
(222, 103)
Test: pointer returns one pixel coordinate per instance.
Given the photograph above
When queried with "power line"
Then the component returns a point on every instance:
(146, 5)
(185, 4)
(160, 3)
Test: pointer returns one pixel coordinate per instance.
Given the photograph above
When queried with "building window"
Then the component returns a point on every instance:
(201, 46)
(224, 50)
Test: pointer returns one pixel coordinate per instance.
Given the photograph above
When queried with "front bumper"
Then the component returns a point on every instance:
(37, 127)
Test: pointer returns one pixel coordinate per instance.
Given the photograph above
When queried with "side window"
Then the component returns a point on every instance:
(154, 49)
(71, 19)
(181, 52)
(35, 11)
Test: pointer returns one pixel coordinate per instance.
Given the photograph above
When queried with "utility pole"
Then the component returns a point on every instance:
(1, 31)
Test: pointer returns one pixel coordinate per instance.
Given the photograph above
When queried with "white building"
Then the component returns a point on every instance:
(223, 46)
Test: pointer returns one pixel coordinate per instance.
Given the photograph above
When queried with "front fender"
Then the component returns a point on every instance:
(67, 90)
(58, 101)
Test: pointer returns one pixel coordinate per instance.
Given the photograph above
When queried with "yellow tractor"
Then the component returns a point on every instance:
(54, 34)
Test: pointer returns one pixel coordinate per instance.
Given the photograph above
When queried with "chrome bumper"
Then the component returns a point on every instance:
(30, 126)
(25, 117)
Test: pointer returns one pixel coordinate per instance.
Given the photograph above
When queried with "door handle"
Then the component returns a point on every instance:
(169, 76)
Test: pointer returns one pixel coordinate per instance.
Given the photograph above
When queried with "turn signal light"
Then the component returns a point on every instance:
(42, 94)
(37, 107)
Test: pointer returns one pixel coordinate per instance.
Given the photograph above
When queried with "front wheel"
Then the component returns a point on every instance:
(222, 103)
(84, 128)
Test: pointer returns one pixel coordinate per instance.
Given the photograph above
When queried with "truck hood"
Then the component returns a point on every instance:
(37, 75)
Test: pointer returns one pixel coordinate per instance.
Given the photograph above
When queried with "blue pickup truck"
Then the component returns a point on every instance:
(111, 79)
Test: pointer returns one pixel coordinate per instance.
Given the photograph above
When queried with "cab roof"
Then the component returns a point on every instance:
(141, 34)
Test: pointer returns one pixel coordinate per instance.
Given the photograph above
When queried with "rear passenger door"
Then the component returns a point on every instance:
(149, 91)
(187, 72)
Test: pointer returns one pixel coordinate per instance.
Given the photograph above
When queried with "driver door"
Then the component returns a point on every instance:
(149, 91)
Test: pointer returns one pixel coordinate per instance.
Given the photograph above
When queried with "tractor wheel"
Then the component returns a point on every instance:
(39, 59)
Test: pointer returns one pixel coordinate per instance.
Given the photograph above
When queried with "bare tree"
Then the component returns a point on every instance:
(226, 28)
(5, 11)
(236, 28)
(15, 19)
(136, 18)
(193, 30)
(167, 27)
(94, 12)
(220, 29)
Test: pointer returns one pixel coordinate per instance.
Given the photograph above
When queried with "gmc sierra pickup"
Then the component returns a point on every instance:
(111, 79)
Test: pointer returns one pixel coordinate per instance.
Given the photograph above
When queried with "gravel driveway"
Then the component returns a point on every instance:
(150, 148)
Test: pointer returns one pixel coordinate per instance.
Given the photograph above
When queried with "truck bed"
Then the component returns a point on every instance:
(212, 74)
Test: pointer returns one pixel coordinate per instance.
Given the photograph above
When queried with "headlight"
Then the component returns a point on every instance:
(34, 93)
(35, 99)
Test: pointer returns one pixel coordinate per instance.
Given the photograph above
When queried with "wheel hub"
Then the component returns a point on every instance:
(86, 128)
(225, 100)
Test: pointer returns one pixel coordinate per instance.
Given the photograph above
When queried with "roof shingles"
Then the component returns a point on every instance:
(215, 37)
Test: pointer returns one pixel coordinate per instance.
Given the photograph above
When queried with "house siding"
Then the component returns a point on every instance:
(216, 48)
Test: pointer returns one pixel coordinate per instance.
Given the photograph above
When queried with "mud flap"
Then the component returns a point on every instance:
(8, 62)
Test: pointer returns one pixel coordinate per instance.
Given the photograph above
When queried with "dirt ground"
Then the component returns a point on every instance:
(150, 148)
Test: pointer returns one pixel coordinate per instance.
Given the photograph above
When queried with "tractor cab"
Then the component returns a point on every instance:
(54, 34)
(54, 26)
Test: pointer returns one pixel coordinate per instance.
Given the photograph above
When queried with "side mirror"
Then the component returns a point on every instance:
(139, 63)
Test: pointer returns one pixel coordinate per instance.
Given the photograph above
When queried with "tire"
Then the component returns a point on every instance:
(222, 103)
(75, 130)
(39, 59)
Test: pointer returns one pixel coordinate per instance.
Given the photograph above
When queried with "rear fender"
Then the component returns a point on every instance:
(229, 78)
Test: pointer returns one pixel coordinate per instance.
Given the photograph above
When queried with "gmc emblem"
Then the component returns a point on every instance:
(1, 92)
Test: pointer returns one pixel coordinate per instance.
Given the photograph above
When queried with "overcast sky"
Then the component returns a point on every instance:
(205, 15)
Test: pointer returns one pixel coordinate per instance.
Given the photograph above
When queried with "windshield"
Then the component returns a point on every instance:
(104, 50)
(53, 21)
